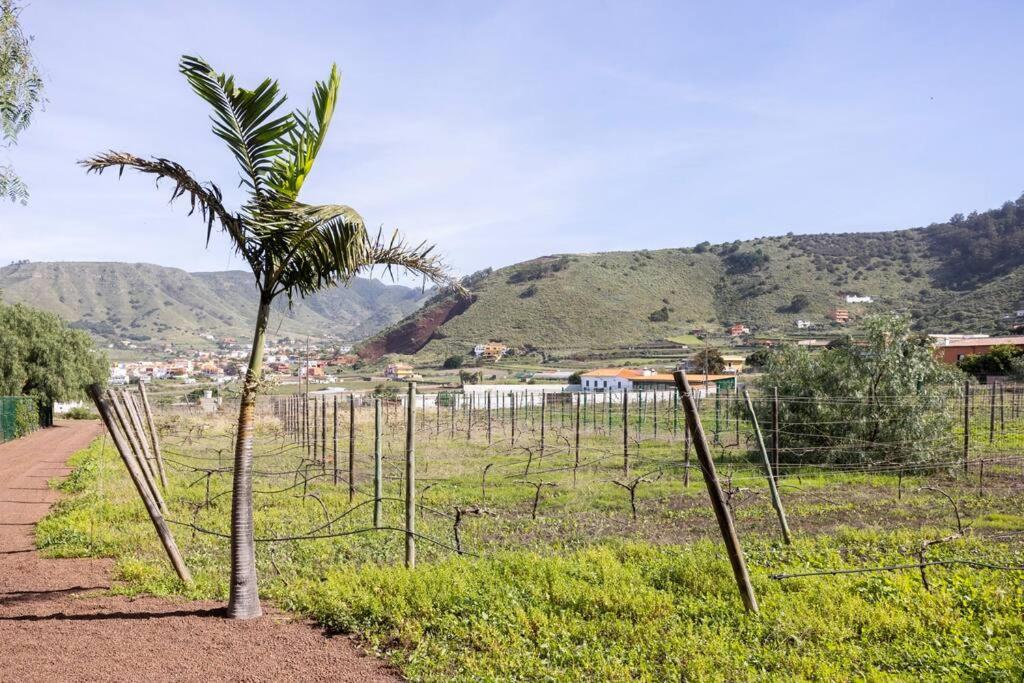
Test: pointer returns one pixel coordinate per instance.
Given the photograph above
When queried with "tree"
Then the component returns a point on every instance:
(41, 356)
(453, 362)
(799, 303)
(1001, 360)
(293, 249)
(709, 360)
(659, 316)
(885, 399)
(21, 90)
(760, 357)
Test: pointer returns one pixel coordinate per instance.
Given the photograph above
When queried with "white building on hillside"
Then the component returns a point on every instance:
(857, 299)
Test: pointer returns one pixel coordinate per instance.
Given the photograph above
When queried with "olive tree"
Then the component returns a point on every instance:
(886, 398)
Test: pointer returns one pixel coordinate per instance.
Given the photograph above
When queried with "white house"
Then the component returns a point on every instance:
(857, 299)
(804, 324)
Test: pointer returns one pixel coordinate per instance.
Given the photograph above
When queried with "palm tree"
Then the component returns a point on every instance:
(292, 248)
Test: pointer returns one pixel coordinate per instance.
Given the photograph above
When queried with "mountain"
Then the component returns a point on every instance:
(142, 301)
(965, 275)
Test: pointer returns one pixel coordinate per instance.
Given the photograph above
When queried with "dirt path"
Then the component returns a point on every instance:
(56, 626)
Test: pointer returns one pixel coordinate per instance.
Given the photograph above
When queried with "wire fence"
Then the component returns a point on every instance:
(479, 472)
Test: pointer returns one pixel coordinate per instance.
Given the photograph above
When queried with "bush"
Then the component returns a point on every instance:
(26, 417)
(453, 362)
(885, 400)
(81, 413)
(660, 315)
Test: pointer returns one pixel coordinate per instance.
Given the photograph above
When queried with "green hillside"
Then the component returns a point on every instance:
(142, 301)
(960, 276)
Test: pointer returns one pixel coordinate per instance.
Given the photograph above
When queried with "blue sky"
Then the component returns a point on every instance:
(504, 131)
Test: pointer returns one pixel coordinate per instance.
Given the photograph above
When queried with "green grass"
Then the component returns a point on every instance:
(583, 592)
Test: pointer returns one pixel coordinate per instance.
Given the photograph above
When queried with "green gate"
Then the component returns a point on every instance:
(19, 415)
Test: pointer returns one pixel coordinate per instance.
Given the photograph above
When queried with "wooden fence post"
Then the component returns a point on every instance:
(773, 489)
(707, 468)
(576, 444)
(488, 418)
(625, 433)
(155, 515)
(410, 481)
(967, 421)
(378, 466)
(154, 437)
(352, 446)
(775, 431)
(121, 413)
(141, 438)
(334, 445)
(991, 413)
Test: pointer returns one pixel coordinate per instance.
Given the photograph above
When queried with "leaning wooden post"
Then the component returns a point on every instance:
(352, 446)
(776, 499)
(707, 468)
(162, 530)
(378, 466)
(154, 437)
(121, 413)
(410, 481)
(141, 439)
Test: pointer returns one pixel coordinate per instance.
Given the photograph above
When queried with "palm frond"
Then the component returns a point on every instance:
(307, 137)
(243, 119)
(315, 246)
(203, 196)
(395, 254)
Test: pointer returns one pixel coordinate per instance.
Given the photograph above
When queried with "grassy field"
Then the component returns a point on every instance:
(571, 585)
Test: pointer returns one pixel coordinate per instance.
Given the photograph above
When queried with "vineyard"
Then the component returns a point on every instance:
(524, 536)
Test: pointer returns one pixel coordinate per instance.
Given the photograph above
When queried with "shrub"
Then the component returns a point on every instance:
(882, 400)
(453, 362)
(660, 315)
(81, 413)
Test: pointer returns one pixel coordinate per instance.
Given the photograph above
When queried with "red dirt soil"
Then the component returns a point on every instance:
(412, 335)
(57, 625)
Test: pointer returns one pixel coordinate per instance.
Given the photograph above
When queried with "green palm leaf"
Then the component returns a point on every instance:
(243, 119)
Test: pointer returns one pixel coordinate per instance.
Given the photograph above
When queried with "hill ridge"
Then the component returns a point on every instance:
(143, 301)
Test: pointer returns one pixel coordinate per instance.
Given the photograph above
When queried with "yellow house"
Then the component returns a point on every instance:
(734, 364)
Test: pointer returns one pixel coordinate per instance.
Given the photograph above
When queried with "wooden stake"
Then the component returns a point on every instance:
(707, 468)
(155, 515)
(967, 421)
(136, 449)
(625, 433)
(776, 499)
(334, 446)
(410, 481)
(352, 446)
(378, 466)
(153, 435)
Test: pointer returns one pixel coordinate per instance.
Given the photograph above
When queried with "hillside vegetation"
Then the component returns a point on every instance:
(142, 301)
(960, 276)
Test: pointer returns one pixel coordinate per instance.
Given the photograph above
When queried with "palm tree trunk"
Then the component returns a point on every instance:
(245, 597)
